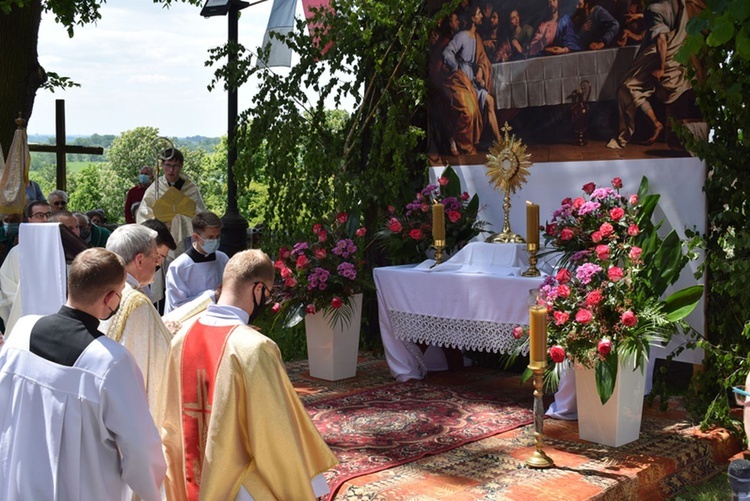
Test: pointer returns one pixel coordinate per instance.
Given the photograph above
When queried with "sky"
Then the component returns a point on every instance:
(142, 65)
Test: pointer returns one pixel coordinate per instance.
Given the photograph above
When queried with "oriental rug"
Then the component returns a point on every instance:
(387, 426)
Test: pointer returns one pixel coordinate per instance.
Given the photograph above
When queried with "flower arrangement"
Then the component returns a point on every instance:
(322, 272)
(408, 235)
(605, 300)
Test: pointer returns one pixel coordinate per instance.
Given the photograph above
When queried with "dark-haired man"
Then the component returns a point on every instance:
(79, 426)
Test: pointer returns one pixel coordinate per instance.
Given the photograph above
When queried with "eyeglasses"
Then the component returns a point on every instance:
(267, 299)
(171, 165)
(41, 215)
(60, 203)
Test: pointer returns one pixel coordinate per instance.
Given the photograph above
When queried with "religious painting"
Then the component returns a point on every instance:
(574, 79)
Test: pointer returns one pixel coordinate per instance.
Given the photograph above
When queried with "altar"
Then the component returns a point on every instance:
(472, 301)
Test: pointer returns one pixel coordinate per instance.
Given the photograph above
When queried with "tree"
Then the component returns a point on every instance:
(22, 75)
(719, 40)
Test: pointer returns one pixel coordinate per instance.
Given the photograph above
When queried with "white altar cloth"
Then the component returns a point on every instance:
(471, 301)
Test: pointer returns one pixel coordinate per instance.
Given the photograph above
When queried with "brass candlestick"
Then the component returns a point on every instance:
(538, 459)
(439, 246)
(532, 271)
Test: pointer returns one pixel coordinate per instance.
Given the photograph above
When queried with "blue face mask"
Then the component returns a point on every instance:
(144, 178)
(210, 245)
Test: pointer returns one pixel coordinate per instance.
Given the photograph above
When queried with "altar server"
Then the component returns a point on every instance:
(74, 421)
(234, 426)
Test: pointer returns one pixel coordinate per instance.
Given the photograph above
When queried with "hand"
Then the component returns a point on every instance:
(658, 73)
(596, 45)
(556, 50)
(629, 18)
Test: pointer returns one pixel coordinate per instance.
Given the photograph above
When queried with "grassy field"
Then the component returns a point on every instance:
(716, 489)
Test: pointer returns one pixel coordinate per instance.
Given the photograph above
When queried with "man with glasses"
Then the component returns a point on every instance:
(58, 200)
(234, 425)
(173, 198)
(79, 426)
(137, 324)
(200, 268)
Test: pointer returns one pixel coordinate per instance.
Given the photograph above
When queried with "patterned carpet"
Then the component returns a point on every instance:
(671, 453)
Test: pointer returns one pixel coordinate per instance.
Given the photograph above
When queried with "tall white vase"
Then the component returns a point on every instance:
(618, 422)
(332, 350)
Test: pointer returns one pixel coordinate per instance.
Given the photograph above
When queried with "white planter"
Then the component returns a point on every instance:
(618, 422)
(332, 350)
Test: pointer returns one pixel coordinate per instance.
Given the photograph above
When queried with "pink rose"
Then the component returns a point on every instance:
(394, 225)
(320, 253)
(286, 272)
(589, 188)
(617, 183)
(563, 290)
(276, 308)
(635, 253)
(615, 273)
(607, 230)
(566, 234)
(424, 207)
(465, 196)
(302, 261)
(342, 217)
(578, 203)
(322, 236)
(557, 353)
(310, 309)
(361, 232)
(317, 227)
(284, 253)
(563, 275)
(561, 317)
(602, 252)
(584, 316)
(616, 213)
(629, 319)
(336, 303)
(604, 346)
(290, 282)
(416, 234)
(279, 264)
(596, 237)
(518, 332)
(391, 209)
(633, 230)
(442, 180)
(454, 215)
(551, 229)
(594, 297)
(633, 199)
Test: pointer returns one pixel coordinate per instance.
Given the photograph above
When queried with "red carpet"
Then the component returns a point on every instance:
(384, 427)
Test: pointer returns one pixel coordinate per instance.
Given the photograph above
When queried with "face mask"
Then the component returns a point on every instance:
(210, 245)
(5, 227)
(257, 309)
(85, 233)
(112, 312)
(144, 178)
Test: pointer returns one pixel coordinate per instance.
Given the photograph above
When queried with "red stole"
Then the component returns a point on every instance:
(201, 353)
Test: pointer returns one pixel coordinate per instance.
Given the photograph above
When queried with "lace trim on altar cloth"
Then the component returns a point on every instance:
(478, 335)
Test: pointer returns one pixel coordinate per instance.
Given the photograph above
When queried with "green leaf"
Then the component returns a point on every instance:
(722, 32)
(606, 376)
(681, 303)
(742, 43)
(739, 10)
(526, 375)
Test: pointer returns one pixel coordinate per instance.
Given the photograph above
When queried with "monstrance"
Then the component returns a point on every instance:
(507, 167)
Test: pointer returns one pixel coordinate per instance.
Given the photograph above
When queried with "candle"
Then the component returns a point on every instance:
(532, 223)
(538, 335)
(438, 221)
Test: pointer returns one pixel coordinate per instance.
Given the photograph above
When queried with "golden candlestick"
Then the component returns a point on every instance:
(538, 459)
(439, 246)
(532, 271)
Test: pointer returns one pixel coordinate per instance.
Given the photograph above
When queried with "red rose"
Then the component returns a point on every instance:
(578, 203)
(594, 297)
(322, 236)
(633, 230)
(317, 227)
(276, 308)
(563, 290)
(465, 196)
(589, 188)
(615, 274)
(442, 180)
(342, 217)
(518, 331)
(278, 264)
(617, 183)
(310, 309)
(336, 302)
(566, 234)
(286, 272)
(361, 232)
(394, 225)
(633, 199)
(616, 213)
(302, 261)
(607, 230)
(635, 253)
(596, 237)
(557, 353)
(551, 229)
(566, 201)
(284, 253)
(454, 215)
(629, 319)
(290, 282)
(604, 346)
(602, 252)
(391, 209)
(320, 253)
(561, 317)
(563, 275)
(584, 316)
(425, 207)
(416, 234)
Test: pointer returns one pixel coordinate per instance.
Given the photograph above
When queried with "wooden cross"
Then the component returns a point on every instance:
(60, 148)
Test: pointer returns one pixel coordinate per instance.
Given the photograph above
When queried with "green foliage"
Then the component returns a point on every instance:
(719, 49)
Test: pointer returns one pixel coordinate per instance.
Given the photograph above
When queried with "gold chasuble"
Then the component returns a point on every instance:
(172, 203)
(233, 420)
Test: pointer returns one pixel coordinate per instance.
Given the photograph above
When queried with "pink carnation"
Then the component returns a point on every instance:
(320, 253)
(614, 273)
(561, 317)
(633, 230)
(563, 290)
(602, 252)
(578, 203)
(584, 316)
(518, 332)
(604, 346)
(454, 215)
(596, 237)
(557, 353)
(635, 253)
(629, 319)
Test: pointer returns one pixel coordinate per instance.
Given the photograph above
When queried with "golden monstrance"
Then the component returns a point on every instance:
(508, 166)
